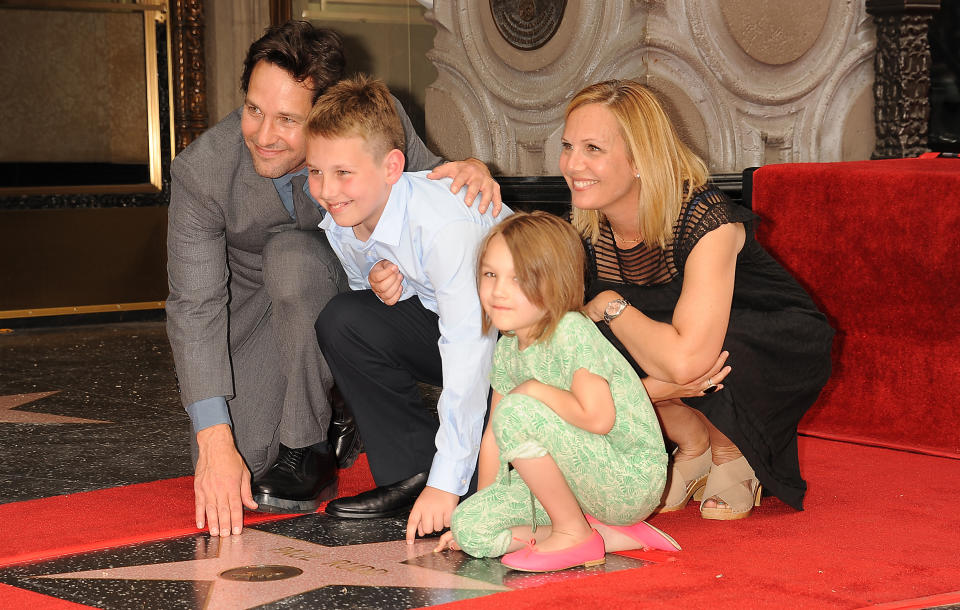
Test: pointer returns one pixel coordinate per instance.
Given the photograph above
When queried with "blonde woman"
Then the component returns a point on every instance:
(676, 277)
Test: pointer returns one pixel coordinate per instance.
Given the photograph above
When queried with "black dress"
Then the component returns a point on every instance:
(779, 342)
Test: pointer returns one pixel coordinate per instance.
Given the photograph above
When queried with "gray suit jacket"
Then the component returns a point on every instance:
(221, 215)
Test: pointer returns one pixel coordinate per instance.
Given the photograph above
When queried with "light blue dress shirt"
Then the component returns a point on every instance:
(432, 236)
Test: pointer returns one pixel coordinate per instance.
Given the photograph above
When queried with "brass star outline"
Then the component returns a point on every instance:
(11, 401)
(371, 565)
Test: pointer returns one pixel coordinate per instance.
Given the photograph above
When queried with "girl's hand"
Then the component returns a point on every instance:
(661, 390)
(447, 542)
(598, 304)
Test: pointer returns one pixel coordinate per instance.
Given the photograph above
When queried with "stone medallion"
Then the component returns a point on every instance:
(527, 24)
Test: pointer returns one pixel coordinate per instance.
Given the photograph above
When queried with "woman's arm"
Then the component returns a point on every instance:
(488, 462)
(588, 404)
(680, 351)
(659, 390)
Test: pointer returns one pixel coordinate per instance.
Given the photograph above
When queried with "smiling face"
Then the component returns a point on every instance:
(350, 183)
(595, 162)
(501, 296)
(274, 112)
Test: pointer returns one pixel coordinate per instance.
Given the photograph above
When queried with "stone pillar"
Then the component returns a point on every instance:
(902, 86)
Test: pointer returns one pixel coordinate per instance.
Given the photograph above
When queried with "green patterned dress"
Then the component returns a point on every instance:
(617, 477)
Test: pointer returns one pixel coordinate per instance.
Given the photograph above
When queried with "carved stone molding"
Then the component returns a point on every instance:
(189, 71)
(902, 81)
(746, 82)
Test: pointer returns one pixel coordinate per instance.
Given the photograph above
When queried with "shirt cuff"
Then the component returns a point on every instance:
(209, 412)
(451, 477)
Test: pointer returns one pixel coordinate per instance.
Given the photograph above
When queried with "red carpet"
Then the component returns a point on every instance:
(117, 516)
(880, 527)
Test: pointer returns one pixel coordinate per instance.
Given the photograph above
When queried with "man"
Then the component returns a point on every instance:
(249, 271)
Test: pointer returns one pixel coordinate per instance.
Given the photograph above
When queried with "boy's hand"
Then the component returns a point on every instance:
(447, 542)
(386, 281)
(431, 512)
(475, 174)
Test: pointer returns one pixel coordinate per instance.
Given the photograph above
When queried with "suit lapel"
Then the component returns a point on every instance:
(258, 197)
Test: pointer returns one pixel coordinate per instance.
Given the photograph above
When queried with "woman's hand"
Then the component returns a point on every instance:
(598, 304)
(661, 390)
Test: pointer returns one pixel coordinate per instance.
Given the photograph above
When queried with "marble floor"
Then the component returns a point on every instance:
(95, 406)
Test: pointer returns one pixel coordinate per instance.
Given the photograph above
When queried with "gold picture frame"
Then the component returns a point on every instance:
(153, 12)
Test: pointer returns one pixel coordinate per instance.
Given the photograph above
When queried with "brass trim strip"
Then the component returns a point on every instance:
(78, 5)
(79, 309)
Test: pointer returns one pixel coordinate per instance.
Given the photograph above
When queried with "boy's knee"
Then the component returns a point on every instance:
(337, 318)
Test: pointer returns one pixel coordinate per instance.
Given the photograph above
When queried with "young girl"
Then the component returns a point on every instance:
(568, 412)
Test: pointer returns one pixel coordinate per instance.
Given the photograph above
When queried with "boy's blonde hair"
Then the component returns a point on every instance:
(669, 170)
(358, 106)
(548, 260)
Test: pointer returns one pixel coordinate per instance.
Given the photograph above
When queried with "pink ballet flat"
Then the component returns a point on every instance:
(648, 536)
(588, 553)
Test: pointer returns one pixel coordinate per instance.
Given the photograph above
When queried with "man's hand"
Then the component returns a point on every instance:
(475, 174)
(386, 281)
(221, 482)
(431, 512)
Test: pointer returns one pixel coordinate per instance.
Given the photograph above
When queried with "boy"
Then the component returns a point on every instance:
(379, 346)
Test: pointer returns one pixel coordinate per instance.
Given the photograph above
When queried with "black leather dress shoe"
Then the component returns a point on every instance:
(387, 501)
(343, 435)
(298, 482)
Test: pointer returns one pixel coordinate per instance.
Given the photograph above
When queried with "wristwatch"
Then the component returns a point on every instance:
(613, 310)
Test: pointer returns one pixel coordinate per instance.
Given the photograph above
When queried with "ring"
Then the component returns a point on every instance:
(711, 387)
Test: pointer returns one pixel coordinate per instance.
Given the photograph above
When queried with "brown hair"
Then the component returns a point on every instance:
(358, 106)
(310, 55)
(669, 170)
(548, 259)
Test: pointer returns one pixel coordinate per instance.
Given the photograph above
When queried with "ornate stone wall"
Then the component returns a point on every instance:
(748, 82)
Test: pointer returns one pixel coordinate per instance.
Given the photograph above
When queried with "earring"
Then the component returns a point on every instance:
(637, 176)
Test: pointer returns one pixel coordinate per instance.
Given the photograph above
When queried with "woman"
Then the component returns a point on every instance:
(675, 277)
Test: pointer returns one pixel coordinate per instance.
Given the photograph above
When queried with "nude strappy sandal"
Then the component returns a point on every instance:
(687, 479)
(725, 484)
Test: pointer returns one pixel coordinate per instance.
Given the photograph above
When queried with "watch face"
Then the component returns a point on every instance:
(612, 307)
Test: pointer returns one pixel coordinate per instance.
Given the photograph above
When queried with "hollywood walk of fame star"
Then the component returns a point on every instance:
(246, 569)
(11, 401)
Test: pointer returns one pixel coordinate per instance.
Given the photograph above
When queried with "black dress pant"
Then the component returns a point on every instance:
(377, 354)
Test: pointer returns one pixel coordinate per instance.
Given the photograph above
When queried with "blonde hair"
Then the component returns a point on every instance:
(669, 170)
(548, 260)
(358, 106)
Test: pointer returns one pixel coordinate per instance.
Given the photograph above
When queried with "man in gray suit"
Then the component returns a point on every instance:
(249, 272)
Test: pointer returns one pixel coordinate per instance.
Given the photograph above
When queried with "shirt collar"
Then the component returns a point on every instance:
(282, 183)
(390, 227)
